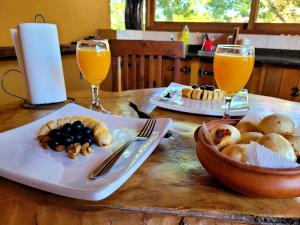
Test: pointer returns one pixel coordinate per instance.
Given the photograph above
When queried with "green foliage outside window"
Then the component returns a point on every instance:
(117, 14)
(270, 11)
(227, 11)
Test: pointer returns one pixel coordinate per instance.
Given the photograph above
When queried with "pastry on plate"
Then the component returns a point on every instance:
(224, 134)
(278, 144)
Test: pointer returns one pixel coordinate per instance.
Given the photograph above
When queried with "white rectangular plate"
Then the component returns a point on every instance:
(239, 105)
(23, 160)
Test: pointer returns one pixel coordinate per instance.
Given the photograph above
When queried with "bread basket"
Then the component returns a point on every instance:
(244, 178)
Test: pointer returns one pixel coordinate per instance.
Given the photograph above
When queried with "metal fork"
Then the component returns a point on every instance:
(108, 163)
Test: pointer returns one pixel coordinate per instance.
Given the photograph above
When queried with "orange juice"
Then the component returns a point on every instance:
(94, 64)
(232, 71)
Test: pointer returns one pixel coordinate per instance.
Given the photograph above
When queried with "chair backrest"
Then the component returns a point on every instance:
(139, 64)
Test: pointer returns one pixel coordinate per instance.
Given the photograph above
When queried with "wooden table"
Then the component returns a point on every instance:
(171, 187)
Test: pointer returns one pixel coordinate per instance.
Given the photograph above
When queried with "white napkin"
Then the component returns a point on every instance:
(259, 155)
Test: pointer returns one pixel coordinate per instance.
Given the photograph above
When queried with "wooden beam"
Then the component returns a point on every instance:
(253, 14)
(150, 13)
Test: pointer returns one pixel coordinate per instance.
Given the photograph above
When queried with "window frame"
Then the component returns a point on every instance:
(215, 27)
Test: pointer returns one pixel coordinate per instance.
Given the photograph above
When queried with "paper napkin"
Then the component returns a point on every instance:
(259, 155)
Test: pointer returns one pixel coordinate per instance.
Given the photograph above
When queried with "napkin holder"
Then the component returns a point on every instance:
(38, 53)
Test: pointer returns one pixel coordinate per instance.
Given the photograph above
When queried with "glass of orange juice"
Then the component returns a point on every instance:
(233, 65)
(93, 58)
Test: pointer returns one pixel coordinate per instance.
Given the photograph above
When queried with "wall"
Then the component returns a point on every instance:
(74, 18)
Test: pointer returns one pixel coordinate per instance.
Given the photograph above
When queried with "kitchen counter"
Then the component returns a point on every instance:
(8, 53)
(262, 55)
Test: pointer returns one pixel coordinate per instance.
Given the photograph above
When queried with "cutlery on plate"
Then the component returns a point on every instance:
(108, 163)
(143, 115)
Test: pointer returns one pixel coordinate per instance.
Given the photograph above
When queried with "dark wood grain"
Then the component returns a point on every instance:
(149, 54)
(290, 79)
(172, 49)
(159, 71)
(171, 187)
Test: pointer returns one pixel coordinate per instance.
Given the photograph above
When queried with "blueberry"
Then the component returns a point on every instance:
(202, 87)
(77, 137)
(67, 128)
(87, 131)
(195, 86)
(67, 140)
(65, 134)
(88, 139)
(209, 87)
(77, 125)
(55, 134)
(53, 143)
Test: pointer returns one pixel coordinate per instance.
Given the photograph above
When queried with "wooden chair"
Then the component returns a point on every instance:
(138, 64)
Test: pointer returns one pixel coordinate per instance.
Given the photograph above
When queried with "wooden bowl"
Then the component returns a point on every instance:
(247, 179)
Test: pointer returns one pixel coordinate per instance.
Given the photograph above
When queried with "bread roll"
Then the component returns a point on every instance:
(295, 142)
(246, 126)
(224, 135)
(276, 123)
(236, 152)
(279, 144)
(247, 137)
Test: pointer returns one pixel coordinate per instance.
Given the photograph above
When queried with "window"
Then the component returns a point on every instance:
(203, 11)
(117, 14)
(271, 11)
(256, 16)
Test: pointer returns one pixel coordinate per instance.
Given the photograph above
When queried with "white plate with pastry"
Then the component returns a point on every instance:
(184, 98)
(24, 160)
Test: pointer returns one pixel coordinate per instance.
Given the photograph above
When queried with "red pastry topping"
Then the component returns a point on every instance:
(220, 134)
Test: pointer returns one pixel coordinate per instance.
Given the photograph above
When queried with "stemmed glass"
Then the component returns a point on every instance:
(233, 65)
(93, 58)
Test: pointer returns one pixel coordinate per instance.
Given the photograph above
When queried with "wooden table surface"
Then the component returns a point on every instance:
(171, 187)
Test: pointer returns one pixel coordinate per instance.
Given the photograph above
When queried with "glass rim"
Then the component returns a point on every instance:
(103, 43)
(92, 40)
(235, 46)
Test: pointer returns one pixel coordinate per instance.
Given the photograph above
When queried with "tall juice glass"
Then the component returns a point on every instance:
(93, 58)
(233, 65)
